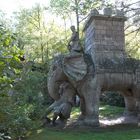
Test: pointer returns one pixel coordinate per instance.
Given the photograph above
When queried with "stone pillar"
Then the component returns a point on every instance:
(104, 36)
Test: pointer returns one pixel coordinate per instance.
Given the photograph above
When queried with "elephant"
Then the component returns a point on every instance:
(80, 71)
(80, 75)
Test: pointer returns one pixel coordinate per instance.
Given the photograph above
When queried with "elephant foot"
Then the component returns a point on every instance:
(87, 122)
(93, 122)
(81, 117)
(138, 120)
(130, 117)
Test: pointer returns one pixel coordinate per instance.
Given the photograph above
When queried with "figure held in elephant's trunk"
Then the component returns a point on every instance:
(61, 108)
(63, 112)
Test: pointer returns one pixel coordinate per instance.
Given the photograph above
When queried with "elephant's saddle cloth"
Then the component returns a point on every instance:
(74, 66)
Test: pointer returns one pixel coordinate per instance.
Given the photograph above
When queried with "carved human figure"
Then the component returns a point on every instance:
(62, 107)
(74, 45)
(63, 112)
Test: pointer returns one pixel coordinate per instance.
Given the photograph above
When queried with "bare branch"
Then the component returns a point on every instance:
(136, 30)
(33, 18)
(132, 9)
(131, 16)
(34, 24)
(83, 19)
(133, 3)
(130, 25)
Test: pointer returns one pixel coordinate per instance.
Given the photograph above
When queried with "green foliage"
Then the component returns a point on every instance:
(112, 98)
(67, 7)
(14, 119)
(28, 98)
(60, 7)
(120, 133)
(116, 132)
(11, 115)
(21, 90)
(40, 40)
(105, 111)
(132, 26)
(33, 95)
(10, 64)
(132, 45)
(22, 111)
(75, 9)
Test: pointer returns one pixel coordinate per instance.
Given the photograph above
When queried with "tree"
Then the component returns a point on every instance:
(9, 59)
(132, 28)
(80, 8)
(30, 29)
(38, 37)
(17, 84)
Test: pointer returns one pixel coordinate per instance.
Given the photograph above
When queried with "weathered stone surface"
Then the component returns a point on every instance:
(75, 67)
(103, 66)
(138, 75)
(118, 65)
(108, 11)
(105, 33)
(113, 70)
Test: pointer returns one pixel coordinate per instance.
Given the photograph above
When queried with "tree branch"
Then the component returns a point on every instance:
(132, 9)
(83, 19)
(136, 30)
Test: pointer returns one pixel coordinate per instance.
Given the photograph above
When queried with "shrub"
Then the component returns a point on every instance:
(21, 90)
(112, 98)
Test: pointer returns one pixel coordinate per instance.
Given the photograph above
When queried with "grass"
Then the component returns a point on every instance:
(106, 111)
(114, 134)
(117, 132)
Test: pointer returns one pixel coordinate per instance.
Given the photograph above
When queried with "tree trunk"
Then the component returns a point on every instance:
(77, 15)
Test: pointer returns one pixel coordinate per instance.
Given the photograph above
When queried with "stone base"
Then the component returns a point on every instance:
(86, 123)
(93, 122)
(130, 113)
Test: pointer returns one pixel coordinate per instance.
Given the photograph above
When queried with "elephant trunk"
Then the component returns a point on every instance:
(55, 79)
(53, 89)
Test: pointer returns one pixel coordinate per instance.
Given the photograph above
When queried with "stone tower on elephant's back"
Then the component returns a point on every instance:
(104, 37)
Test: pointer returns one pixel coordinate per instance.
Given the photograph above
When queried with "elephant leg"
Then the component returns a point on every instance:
(82, 108)
(136, 91)
(130, 105)
(92, 106)
(138, 110)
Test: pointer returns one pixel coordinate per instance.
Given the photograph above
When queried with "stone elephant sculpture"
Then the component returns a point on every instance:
(88, 82)
(80, 75)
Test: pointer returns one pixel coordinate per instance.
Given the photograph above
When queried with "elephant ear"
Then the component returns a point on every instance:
(74, 66)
